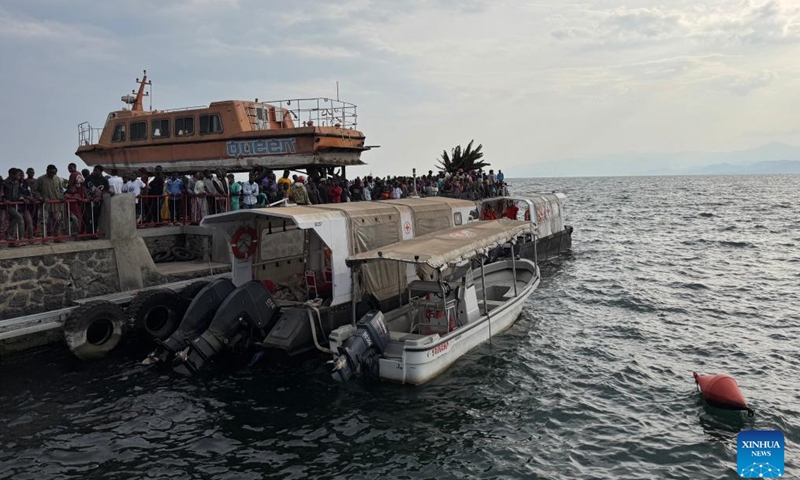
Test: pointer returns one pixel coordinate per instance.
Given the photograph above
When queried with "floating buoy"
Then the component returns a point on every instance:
(722, 391)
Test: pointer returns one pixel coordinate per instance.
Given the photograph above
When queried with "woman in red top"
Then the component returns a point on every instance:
(335, 193)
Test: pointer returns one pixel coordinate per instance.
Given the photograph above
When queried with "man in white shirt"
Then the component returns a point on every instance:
(397, 192)
(115, 182)
(250, 192)
(133, 186)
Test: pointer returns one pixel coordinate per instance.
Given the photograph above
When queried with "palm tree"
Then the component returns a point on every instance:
(466, 159)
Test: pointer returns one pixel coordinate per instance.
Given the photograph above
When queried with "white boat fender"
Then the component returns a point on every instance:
(94, 329)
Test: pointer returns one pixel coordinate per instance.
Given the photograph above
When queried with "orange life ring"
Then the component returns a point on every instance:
(244, 243)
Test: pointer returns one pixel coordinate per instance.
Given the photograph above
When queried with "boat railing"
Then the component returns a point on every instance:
(320, 111)
(182, 109)
(88, 135)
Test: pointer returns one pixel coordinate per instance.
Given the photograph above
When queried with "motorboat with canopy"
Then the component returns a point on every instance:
(453, 302)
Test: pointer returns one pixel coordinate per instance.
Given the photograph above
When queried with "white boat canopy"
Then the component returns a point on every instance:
(447, 247)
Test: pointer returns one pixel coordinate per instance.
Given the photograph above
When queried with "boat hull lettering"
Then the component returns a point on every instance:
(273, 146)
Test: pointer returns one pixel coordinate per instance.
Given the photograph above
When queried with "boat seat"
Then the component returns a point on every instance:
(412, 338)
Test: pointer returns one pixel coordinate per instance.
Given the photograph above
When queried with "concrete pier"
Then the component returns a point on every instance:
(41, 284)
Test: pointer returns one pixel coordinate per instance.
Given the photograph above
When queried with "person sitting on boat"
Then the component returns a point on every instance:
(511, 212)
(488, 213)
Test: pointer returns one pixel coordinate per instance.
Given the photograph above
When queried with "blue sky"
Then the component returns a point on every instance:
(534, 82)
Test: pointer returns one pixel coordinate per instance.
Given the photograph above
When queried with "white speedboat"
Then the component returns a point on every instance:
(454, 302)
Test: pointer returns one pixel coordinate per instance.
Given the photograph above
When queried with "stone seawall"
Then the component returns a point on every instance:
(43, 278)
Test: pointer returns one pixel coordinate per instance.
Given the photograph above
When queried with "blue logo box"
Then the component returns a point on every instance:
(759, 454)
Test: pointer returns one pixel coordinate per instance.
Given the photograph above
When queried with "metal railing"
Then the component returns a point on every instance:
(321, 112)
(88, 134)
(51, 220)
(184, 209)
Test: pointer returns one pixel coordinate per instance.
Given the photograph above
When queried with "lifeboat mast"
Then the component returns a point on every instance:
(136, 101)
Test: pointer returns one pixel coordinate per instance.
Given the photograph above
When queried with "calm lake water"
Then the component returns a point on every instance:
(667, 275)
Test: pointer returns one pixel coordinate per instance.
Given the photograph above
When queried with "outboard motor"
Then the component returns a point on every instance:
(195, 321)
(250, 306)
(359, 354)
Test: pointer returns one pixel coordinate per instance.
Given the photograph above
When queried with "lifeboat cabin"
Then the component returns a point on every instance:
(232, 134)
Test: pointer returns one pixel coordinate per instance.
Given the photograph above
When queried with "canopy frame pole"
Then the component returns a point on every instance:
(444, 298)
(514, 266)
(399, 285)
(485, 305)
(356, 268)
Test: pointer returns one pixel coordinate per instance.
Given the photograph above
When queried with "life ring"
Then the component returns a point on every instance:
(94, 329)
(244, 243)
(157, 312)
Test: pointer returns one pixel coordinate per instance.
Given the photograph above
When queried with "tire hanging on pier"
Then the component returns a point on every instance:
(157, 312)
(94, 329)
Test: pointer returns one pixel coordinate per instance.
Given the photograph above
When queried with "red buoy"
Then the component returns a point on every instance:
(722, 391)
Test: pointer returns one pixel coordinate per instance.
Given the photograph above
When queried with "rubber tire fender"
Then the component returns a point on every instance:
(94, 329)
(190, 291)
(162, 256)
(158, 312)
(182, 254)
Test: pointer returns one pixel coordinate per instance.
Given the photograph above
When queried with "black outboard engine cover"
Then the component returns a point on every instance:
(250, 306)
(195, 321)
(360, 353)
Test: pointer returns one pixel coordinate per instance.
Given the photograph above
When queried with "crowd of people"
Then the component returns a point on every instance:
(58, 207)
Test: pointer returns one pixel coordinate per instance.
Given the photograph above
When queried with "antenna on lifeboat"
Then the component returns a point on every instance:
(136, 100)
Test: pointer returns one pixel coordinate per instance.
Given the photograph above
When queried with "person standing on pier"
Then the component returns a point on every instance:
(115, 182)
(16, 222)
(250, 192)
(134, 186)
(222, 190)
(153, 204)
(76, 199)
(236, 192)
(285, 180)
(200, 206)
(174, 190)
(96, 185)
(299, 194)
(49, 189)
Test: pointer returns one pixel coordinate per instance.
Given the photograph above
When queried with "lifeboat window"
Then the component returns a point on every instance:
(457, 218)
(119, 133)
(160, 128)
(139, 131)
(210, 124)
(184, 126)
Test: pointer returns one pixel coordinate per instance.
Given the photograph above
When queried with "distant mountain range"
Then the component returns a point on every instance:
(771, 158)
